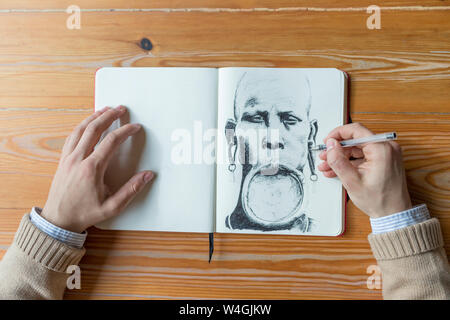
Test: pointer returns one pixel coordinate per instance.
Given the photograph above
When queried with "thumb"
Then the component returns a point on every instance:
(340, 164)
(120, 200)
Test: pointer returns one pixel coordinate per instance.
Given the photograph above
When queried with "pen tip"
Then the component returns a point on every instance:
(318, 148)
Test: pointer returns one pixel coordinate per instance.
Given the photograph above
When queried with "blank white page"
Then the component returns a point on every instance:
(163, 100)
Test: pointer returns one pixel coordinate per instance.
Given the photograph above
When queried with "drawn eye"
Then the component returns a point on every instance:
(257, 118)
(291, 120)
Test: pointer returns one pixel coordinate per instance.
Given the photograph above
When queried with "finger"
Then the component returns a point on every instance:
(357, 162)
(354, 152)
(107, 191)
(349, 131)
(73, 139)
(95, 129)
(111, 142)
(323, 155)
(380, 151)
(397, 148)
(324, 166)
(329, 174)
(120, 200)
(338, 161)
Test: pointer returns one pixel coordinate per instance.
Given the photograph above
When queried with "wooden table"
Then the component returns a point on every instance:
(400, 79)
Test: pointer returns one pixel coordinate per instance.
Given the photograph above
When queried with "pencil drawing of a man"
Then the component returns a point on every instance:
(277, 106)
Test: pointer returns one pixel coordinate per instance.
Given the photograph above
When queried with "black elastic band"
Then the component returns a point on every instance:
(211, 246)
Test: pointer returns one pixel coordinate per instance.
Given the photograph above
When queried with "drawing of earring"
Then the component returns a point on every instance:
(311, 144)
(312, 168)
(232, 157)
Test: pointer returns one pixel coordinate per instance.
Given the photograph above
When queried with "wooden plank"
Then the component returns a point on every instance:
(138, 4)
(395, 89)
(404, 67)
(104, 32)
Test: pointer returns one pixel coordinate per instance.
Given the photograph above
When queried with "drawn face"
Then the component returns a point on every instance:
(278, 110)
(272, 127)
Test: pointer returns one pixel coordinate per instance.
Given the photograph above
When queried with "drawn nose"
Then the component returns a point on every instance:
(273, 146)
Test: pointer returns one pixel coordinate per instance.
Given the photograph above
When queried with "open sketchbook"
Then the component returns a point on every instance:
(230, 146)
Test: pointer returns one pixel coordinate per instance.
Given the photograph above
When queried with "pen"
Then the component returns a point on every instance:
(356, 142)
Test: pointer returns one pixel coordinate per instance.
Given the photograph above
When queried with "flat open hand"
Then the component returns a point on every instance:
(79, 197)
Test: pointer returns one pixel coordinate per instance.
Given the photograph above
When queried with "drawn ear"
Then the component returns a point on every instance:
(230, 128)
(314, 128)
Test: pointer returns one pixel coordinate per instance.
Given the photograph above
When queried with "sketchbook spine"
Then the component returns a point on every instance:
(347, 90)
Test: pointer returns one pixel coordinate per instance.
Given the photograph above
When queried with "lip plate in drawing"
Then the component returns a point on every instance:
(273, 200)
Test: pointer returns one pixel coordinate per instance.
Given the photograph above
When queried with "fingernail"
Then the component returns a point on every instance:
(121, 108)
(148, 176)
(136, 127)
(331, 143)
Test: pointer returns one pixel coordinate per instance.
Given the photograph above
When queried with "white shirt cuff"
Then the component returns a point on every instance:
(70, 238)
(400, 220)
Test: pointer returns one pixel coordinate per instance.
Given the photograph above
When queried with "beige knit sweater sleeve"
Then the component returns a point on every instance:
(34, 267)
(412, 261)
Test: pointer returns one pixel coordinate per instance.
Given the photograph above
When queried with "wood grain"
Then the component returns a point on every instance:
(212, 4)
(399, 80)
(410, 68)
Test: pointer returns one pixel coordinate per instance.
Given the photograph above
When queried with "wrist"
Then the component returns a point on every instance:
(400, 205)
(54, 218)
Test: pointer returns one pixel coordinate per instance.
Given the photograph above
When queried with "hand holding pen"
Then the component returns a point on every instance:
(372, 173)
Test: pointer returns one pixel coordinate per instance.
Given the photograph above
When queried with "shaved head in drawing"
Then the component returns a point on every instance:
(271, 134)
(252, 88)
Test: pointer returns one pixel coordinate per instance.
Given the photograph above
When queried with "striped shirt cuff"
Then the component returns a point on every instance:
(70, 238)
(400, 220)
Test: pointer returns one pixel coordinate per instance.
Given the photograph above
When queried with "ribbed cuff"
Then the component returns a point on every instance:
(44, 249)
(408, 241)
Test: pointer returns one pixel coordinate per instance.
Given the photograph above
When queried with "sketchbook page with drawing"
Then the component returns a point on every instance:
(168, 102)
(267, 182)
